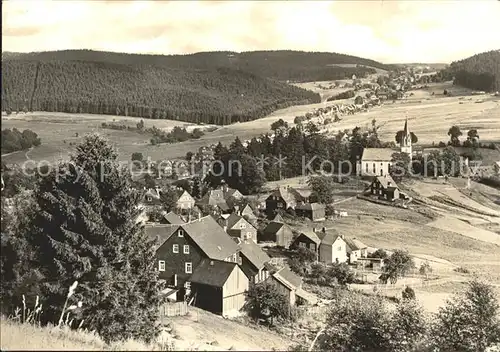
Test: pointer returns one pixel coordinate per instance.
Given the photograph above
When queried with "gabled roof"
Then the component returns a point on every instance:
(248, 210)
(288, 278)
(301, 192)
(160, 233)
(378, 154)
(330, 237)
(310, 206)
(312, 236)
(273, 227)
(211, 238)
(183, 194)
(284, 193)
(212, 272)
(385, 180)
(230, 192)
(254, 254)
(152, 193)
(278, 218)
(233, 219)
(354, 244)
(173, 218)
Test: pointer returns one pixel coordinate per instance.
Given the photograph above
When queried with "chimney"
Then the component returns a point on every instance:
(323, 230)
(199, 216)
(342, 236)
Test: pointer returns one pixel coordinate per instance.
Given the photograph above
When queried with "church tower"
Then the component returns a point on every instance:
(406, 146)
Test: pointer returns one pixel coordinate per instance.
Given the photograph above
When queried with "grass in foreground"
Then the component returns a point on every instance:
(16, 336)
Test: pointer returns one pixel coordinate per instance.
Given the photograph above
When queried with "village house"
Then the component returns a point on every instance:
(237, 226)
(290, 284)
(356, 249)
(328, 245)
(312, 211)
(182, 248)
(300, 194)
(231, 192)
(278, 232)
(253, 261)
(280, 199)
(248, 213)
(215, 199)
(219, 287)
(152, 197)
(185, 201)
(385, 188)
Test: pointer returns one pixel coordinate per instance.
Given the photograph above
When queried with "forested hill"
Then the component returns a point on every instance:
(215, 87)
(284, 65)
(480, 72)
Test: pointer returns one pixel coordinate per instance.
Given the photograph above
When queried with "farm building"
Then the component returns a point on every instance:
(152, 197)
(219, 287)
(287, 283)
(328, 245)
(300, 194)
(253, 261)
(356, 249)
(248, 213)
(385, 188)
(312, 211)
(280, 199)
(279, 233)
(376, 264)
(182, 248)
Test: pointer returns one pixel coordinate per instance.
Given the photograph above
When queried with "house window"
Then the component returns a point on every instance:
(180, 233)
(188, 268)
(374, 168)
(186, 249)
(234, 258)
(381, 172)
(339, 248)
(302, 244)
(239, 260)
(242, 225)
(187, 285)
(175, 248)
(161, 265)
(366, 167)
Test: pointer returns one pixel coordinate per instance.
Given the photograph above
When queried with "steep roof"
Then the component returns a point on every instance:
(288, 278)
(278, 218)
(378, 154)
(160, 233)
(385, 180)
(173, 218)
(301, 192)
(313, 236)
(212, 272)
(330, 237)
(184, 193)
(310, 206)
(354, 244)
(284, 193)
(247, 210)
(211, 238)
(233, 220)
(273, 227)
(254, 253)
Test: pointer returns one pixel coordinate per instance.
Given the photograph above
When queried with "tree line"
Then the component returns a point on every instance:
(479, 72)
(282, 65)
(217, 96)
(14, 140)
(299, 147)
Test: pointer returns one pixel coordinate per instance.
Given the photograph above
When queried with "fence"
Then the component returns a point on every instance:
(174, 309)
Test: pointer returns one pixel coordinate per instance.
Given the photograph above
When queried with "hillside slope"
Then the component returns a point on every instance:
(216, 87)
(481, 71)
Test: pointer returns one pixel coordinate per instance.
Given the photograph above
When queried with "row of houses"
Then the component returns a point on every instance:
(212, 266)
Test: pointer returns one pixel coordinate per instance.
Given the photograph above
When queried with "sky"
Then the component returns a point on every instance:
(389, 31)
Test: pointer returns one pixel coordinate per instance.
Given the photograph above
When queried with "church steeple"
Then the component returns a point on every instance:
(406, 144)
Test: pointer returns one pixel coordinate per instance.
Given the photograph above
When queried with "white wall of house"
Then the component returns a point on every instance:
(333, 253)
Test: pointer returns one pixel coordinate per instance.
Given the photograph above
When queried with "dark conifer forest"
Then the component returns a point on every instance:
(480, 72)
(213, 87)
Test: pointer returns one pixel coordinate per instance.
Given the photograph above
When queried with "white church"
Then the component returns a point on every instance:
(376, 161)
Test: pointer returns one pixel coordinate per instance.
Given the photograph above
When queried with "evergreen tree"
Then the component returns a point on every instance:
(87, 231)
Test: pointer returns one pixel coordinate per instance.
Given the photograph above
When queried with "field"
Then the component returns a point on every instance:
(430, 117)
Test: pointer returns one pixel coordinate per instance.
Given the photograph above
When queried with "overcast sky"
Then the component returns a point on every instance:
(388, 31)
